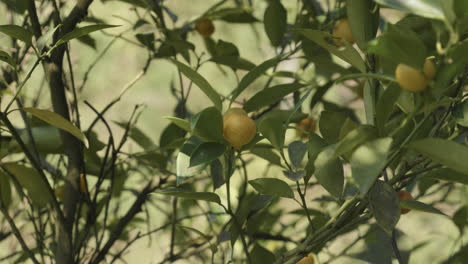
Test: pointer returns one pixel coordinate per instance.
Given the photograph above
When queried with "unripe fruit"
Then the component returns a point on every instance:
(205, 27)
(309, 259)
(405, 196)
(410, 79)
(342, 30)
(429, 69)
(238, 127)
(306, 125)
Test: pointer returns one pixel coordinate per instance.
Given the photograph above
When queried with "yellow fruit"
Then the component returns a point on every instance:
(405, 196)
(238, 127)
(410, 79)
(342, 30)
(309, 259)
(307, 124)
(205, 27)
(429, 69)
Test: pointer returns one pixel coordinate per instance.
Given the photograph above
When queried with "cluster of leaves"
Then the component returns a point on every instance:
(338, 178)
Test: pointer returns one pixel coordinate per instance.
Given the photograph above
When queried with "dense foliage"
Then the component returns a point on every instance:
(361, 109)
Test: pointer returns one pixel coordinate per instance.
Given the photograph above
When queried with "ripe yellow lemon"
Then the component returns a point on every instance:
(410, 79)
(429, 69)
(309, 259)
(205, 27)
(238, 127)
(342, 30)
(405, 196)
(307, 124)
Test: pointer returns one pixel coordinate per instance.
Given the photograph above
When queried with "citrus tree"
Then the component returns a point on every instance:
(356, 116)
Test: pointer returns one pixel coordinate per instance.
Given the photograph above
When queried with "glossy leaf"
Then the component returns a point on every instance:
(206, 152)
(208, 125)
(296, 175)
(201, 82)
(260, 254)
(349, 54)
(364, 20)
(426, 8)
(58, 121)
(354, 139)
(400, 45)
(216, 172)
(368, 161)
(446, 174)
(270, 96)
(419, 206)
(272, 186)
(384, 203)
(30, 179)
(201, 196)
(5, 190)
(266, 153)
(443, 151)
(80, 32)
(297, 150)
(275, 22)
(330, 124)
(182, 123)
(329, 171)
(6, 58)
(271, 126)
(17, 32)
(252, 75)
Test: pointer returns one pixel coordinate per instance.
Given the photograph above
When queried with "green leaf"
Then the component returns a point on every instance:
(348, 54)
(297, 150)
(17, 32)
(208, 125)
(216, 172)
(275, 22)
(445, 152)
(461, 113)
(354, 139)
(364, 20)
(5, 190)
(425, 8)
(446, 174)
(270, 95)
(400, 45)
(58, 121)
(182, 123)
(206, 152)
(234, 15)
(294, 175)
(253, 75)
(329, 171)
(6, 58)
(260, 254)
(80, 32)
(460, 218)
(418, 206)
(201, 196)
(272, 186)
(266, 153)
(368, 161)
(386, 105)
(30, 179)
(201, 82)
(385, 206)
(271, 126)
(330, 124)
